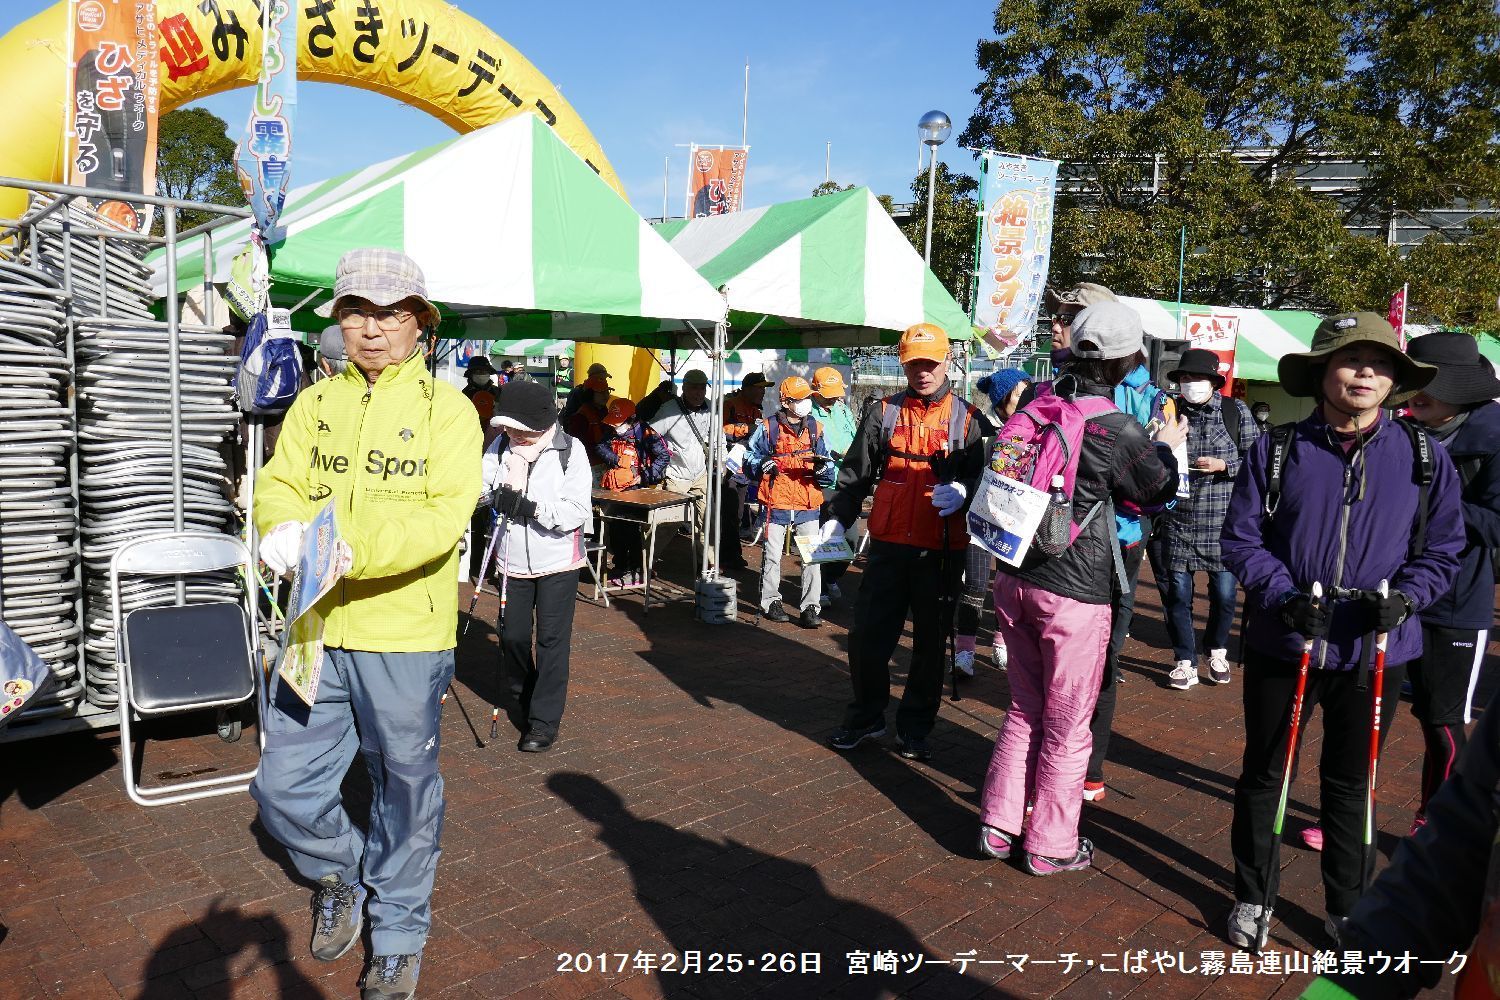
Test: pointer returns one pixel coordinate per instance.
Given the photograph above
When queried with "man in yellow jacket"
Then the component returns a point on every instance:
(398, 453)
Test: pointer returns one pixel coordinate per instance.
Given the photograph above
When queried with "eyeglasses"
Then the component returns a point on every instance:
(1065, 318)
(385, 319)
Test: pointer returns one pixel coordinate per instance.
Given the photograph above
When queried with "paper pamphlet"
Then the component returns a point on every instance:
(1184, 488)
(326, 557)
(1004, 516)
(836, 549)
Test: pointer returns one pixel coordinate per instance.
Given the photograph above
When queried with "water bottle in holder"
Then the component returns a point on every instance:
(1055, 534)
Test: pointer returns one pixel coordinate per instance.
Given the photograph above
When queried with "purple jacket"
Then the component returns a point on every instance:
(1321, 521)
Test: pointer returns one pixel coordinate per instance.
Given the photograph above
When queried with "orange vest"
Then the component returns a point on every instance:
(792, 487)
(740, 416)
(903, 512)
(626, 474)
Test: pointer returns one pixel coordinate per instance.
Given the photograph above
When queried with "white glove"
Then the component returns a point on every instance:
(831, 530)
(949, 497)
(282, 547)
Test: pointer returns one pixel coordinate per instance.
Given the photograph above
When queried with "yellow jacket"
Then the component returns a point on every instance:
(401, 458)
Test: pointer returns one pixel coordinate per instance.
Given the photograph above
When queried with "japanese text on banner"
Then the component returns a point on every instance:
(264, 155)
(113, 103)
(716, 181)
(1015, 247)
(1217, 332)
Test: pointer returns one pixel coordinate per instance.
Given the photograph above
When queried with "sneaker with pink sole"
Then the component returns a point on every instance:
(995, 843)
(1038, 865)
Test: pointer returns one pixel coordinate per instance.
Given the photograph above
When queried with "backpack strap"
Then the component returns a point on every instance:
(1281, 441)
(1234, 420)
(1113, 540)
(1421, 446)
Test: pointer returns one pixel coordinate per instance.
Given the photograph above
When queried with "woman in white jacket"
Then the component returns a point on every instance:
(537, 480)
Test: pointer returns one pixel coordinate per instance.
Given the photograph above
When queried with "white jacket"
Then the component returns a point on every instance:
(552, 541)
(687, 434)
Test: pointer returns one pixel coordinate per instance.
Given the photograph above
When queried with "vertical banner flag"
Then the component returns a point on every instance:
(1217, 332)
(264, 155)
(1397, 316)
(112, 102)
(1015, 247)
(716, 181)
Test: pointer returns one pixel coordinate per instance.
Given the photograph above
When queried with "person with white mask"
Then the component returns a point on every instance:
(1220, 431)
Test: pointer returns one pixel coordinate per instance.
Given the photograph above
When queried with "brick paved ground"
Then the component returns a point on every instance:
(690, 804)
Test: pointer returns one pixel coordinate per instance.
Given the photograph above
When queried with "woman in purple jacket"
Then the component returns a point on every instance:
(1346, 516)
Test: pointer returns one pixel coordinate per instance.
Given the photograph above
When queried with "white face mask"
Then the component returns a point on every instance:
(801, 408)
(479, 378)
(1197, 393)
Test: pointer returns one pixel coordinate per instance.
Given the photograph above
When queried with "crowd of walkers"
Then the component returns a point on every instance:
(1363, 544)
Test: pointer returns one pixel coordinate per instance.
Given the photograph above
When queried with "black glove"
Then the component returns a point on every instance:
(511, 503)
(1381, 614)
(820, 461)
(1302, 613)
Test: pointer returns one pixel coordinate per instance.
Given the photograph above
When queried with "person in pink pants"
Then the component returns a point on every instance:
(1054, 613)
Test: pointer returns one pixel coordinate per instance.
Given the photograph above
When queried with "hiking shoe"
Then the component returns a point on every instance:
(1000, 654)
(964, 661)
(834, 592)
(825, 600)
(390, 977)
(1093, 791)
(1417, 823)
(1184, 675)
(912, 747)
(810, 617)
(845, 738)
(1334, 927)
(1244, 927)
(1218, 666)
(995, 843)
(1313, 838)
(338, 917)
(1038, 865)
(775, 613)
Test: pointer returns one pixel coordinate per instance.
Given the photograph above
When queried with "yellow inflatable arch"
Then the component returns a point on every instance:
(425, 53)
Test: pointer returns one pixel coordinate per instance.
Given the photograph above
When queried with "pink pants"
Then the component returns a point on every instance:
(1057, 648)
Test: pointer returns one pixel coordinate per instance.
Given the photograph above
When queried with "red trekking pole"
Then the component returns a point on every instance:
(1367, 848)
(1273, 876)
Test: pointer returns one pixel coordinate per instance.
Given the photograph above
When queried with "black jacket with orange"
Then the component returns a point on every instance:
(903, 513)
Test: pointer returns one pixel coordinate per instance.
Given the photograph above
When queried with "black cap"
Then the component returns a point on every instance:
(525, 403)
(754, 379)
(1198, 361)
(480, 363)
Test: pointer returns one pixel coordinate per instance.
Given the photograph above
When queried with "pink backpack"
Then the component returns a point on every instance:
(1041, 441)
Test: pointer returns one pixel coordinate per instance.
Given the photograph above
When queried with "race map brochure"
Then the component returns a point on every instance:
(1004, 516)
(836, 549)
(326, 557)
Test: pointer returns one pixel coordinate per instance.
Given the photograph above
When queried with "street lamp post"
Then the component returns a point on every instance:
(933, 130)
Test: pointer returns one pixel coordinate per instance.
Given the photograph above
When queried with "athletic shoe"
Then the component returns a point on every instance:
(1000, 654)
(338, 917)
(1244, 927)
(825, 601)
(775, 613)
(1218, 666)
(834, 592)
(1313, 837)
(994, 843)
(1417, 823)
(912, 747)
(964, 661)
(810, 618)
(390, 977)
(1093, 791)
(1038, 865)
(1184, 675)
(847, 739)
(1334, 926)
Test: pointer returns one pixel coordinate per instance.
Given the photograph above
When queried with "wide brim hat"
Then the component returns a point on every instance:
(1302, 374)
(1464, 376)
(1198, 361)
(384, 277)
(480, 363)
(1083, 294)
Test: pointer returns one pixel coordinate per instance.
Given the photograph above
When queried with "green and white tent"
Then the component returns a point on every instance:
(832, 271)
(1264, 334)
(508, 224)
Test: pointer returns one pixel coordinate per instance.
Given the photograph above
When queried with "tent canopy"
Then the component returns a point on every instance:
(831, 271)
(507, 222)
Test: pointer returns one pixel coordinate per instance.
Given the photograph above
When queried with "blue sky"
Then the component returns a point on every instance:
(647, 76)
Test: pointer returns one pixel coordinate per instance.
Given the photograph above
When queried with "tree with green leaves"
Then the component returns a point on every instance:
(1146, 103)
(195, 162)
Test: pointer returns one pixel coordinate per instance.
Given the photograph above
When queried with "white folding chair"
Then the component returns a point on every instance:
(184, 658)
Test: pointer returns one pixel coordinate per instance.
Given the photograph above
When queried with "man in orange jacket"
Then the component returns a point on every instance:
(922, 453)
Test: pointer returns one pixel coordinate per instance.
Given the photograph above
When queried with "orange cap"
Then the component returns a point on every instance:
(795, 387)
(828, 382)
(620, 410)
(924, 341)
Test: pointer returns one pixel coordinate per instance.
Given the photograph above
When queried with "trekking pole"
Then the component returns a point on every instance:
(1367, 848)
(484, 569)
(1273, 877)
(501, 524)
(947, 588)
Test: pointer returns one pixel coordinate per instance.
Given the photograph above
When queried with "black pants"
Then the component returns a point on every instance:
(479, 537)
(902, 580)
(625, 547)
(1269, 687)
(1104, 709)
(1442, 693)
(539, 684)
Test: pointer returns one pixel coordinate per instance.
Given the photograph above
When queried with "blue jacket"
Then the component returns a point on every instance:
(1137, 396)
(1343, 521)
(1473, 447)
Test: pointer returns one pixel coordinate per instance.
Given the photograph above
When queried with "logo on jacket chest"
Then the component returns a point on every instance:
(378, 463)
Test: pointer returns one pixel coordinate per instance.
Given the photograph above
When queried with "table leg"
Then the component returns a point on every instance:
(648, 557)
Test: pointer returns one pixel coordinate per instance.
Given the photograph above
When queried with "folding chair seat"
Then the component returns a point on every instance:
(183, 658)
